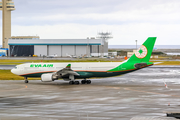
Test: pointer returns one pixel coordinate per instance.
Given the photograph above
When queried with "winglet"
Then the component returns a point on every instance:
(68, 66)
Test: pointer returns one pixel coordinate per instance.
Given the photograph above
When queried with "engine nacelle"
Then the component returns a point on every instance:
(47, 77)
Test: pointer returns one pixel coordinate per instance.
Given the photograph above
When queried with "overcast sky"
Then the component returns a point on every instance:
(127, 20)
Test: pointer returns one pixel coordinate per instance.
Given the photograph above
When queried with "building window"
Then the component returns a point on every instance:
(10, 6)
(9, 3)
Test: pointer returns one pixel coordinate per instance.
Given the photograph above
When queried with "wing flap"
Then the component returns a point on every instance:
(67, 71)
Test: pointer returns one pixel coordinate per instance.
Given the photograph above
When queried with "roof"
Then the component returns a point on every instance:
(24, 37)
(55, 42)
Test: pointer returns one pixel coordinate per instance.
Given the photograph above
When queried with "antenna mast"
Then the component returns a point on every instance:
(104, 36)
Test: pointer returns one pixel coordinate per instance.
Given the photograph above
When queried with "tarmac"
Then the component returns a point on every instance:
(7, 67)
(140, 95)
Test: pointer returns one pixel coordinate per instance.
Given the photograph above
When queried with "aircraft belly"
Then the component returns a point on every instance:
(98, 74)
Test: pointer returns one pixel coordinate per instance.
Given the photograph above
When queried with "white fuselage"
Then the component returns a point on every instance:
(32, 68)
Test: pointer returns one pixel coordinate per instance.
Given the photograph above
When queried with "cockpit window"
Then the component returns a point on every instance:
(15, 67)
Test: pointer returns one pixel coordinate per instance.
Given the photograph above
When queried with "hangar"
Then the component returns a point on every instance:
(61, 47)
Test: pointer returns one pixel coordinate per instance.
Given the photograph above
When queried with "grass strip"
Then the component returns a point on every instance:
(7, 75)
(167, 62)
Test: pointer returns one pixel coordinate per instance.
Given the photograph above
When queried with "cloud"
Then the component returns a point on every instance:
(123, 34)
(88, 12)
(127, 20)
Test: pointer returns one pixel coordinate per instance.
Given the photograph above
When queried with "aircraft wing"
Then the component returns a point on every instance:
(67, 71)
(71, 73)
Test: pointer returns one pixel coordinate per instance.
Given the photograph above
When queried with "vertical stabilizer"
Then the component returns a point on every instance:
(143, 54)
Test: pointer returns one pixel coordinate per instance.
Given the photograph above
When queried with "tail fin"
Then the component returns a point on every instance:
(143, 54)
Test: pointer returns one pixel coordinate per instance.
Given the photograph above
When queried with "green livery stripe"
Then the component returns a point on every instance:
(83, 74)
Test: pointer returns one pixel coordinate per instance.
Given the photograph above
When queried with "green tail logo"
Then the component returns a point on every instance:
(140, 58)
(143, 54)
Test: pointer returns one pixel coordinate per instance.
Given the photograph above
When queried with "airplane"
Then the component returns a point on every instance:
(84, 70)
(52, 56)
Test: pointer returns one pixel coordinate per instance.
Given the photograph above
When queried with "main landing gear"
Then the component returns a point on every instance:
(86, 81)
(74, 82)
(26, 81)
(82, 82)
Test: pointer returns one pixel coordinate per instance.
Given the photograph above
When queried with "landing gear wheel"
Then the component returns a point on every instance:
(76, 82)
(83, 82)
(71, 82)
(88, 81)
(26, 81)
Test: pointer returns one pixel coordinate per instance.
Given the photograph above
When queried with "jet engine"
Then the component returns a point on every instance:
(49, 77)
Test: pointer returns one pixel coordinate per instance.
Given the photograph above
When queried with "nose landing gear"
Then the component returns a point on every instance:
(25, 80)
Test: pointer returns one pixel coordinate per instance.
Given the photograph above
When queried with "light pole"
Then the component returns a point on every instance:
(136, 44)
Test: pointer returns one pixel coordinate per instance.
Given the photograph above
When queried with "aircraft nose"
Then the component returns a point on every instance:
(13, 71)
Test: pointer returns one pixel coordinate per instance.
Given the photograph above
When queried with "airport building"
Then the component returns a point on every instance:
(32, 45)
